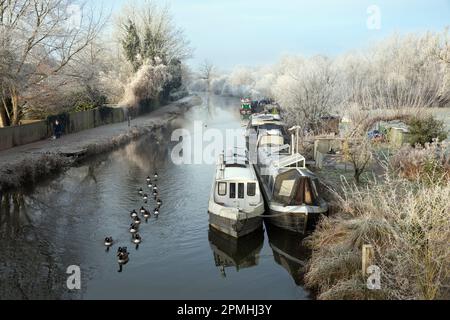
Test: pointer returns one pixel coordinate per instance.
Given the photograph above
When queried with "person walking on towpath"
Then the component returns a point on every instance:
(57, 130)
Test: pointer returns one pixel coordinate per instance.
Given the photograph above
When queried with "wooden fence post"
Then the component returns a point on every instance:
(368, 255)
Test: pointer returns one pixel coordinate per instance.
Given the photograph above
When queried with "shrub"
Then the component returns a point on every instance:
(429, 164)
(408, 225)
(426, 130)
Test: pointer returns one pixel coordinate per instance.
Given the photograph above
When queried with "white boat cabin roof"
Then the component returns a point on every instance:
(238, 174)
(235, 166)
(261, 119)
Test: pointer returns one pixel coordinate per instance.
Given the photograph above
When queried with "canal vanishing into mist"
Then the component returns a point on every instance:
(64, 222)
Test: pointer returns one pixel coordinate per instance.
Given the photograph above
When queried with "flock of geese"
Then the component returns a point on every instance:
(122, 252)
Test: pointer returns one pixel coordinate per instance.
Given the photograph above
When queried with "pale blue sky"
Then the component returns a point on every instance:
(257, 32)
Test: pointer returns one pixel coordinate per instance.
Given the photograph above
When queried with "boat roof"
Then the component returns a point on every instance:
(261, 119)
(235, 165)
(238, 173)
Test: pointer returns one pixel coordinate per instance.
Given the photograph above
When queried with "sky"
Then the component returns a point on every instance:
(231, 33)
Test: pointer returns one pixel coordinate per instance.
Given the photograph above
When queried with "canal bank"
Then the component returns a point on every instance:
(25, 165)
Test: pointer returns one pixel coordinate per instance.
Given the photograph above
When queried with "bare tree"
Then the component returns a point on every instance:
(359, 153)
(39, 39)
(207, 72)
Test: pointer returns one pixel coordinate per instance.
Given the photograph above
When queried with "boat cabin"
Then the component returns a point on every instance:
(296, 187)
(236, 183)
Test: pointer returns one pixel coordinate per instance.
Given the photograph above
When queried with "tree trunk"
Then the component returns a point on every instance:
(16, 116)
(357, 175)
(3, 117)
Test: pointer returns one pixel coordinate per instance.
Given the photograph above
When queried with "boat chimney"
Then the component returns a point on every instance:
(293, 143)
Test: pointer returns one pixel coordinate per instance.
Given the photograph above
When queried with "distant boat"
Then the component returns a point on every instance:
(236, 203)
(246, 107)
(260, 124)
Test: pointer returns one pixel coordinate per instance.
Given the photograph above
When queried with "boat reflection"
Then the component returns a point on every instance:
(288, 251)
(239, 253)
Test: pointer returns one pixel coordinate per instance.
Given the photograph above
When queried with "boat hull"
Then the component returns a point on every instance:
(299, 219)
(235, 228)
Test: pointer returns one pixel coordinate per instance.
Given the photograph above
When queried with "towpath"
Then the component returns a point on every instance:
(12, 159)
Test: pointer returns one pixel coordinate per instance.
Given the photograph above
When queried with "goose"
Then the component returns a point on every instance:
(159, 202)
(149, 180)
(155, 188)
(150, 185)
(133, 214)
(156, 212)
(142, 210)
(156, 175)
(123, 256)
(134, 228)
(146, 215)
(141, 192)
(137, 221)
(145, 198)
(109, 242)
(137, 238)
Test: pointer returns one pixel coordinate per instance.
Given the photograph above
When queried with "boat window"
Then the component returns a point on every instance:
(241, 193)
(232, 190)
(222, 189)
(251, 189)
(286, 188)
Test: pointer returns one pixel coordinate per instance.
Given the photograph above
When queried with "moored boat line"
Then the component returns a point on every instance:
(289, 189)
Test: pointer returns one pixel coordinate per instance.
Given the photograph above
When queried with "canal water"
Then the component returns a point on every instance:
(63, 223)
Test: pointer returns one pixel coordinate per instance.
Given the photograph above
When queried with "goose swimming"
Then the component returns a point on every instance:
(133, 214)
(146, 216)
(122, 256)
(134, 228)
(137, 221)
(137, 239)
(109, 242)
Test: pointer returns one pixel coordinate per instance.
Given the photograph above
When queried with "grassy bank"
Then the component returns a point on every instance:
(405, 216)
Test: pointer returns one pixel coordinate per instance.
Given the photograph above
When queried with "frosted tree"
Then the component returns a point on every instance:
(38, 40)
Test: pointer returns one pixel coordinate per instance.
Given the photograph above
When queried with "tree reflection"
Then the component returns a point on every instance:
(28, 268)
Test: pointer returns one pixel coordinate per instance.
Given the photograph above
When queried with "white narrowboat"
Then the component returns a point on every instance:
(236, 203)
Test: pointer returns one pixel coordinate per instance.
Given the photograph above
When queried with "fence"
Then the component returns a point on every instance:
(72, 122)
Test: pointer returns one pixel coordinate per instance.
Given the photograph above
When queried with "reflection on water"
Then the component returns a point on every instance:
(288, 251)
(231, 252)
(64, 222)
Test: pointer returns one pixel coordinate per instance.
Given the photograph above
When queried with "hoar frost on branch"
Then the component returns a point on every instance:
(408, 71)
(147, 83)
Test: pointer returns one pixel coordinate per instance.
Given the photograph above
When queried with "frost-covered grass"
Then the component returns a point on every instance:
(407, 221)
